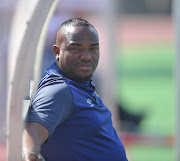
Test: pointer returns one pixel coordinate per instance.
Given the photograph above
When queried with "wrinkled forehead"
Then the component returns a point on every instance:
(80, 34)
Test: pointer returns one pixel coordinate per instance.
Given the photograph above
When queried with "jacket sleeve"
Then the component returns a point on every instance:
(51, 105)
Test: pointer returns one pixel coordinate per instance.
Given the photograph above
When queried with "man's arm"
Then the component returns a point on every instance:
(34, 135)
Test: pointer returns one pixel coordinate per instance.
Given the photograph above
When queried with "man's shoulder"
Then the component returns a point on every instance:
(52, 79)
(53, 85)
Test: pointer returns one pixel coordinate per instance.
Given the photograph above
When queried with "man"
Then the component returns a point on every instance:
(67, 120)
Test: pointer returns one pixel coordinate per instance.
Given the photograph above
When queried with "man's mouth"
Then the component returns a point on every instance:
(85, 66)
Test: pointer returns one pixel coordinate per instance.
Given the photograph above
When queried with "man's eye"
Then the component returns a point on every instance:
(75, 49)
(94, 49)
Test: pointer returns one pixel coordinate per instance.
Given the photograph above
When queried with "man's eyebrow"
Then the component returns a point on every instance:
(75, 44)
(78, 44)
(96, 44)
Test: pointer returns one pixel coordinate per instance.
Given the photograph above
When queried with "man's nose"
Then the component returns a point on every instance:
(86, 55)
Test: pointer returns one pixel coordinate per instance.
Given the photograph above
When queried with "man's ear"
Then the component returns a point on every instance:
(56, 51)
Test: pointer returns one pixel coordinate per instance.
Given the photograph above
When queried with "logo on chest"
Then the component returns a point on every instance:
(89, 101)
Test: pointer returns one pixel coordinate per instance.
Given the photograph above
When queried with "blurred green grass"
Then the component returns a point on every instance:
(142, 153)
(145, 82)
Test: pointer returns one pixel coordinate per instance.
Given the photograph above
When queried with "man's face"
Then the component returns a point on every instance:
(78, 52)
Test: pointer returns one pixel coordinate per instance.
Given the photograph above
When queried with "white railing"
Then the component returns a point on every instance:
(35, 28)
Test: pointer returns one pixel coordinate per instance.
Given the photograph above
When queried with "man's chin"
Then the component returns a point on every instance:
(83, 77)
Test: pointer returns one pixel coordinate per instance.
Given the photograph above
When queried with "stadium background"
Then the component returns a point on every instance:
(144, 63)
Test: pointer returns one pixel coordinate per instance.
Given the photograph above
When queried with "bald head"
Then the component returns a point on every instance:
(68, 27)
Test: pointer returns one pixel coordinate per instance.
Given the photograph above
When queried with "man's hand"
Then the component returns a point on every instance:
(31, 157)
